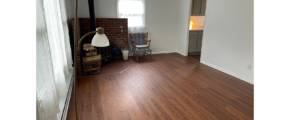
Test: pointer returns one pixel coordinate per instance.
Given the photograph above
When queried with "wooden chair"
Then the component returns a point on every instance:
(139, 43)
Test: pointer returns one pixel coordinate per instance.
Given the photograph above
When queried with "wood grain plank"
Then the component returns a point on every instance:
(97, 110)
(169, 87)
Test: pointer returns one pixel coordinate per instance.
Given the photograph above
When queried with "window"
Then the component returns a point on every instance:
(53, 58)
(134, 10)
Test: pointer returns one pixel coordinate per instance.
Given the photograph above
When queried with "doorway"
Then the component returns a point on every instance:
(196, 27)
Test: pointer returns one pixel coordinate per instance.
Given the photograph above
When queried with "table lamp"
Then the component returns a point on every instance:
(99, 40)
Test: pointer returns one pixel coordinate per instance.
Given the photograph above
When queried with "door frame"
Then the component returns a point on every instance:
(188, 23)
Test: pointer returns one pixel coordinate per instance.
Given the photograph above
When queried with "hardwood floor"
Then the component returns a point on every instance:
(170, 87)
(118, 66)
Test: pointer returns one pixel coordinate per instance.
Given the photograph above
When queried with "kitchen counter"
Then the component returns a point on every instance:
(195, 29)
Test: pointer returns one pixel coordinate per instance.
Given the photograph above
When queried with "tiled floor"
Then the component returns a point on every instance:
(117, 66)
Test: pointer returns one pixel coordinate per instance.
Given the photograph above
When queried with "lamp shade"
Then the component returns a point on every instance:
(100, 39)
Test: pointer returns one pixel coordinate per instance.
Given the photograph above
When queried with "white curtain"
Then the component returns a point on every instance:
(134, 10)
(53, 57)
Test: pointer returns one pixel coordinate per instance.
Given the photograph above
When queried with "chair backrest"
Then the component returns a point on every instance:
(139, 38)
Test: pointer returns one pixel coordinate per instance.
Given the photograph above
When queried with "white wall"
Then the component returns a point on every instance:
(103, 9)
(161, 19)
(183, 26)
(228, 37)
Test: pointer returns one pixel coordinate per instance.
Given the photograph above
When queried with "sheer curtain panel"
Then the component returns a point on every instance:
(53, 57)
(134, 10)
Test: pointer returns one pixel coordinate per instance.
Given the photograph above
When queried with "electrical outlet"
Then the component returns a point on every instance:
(249, 67)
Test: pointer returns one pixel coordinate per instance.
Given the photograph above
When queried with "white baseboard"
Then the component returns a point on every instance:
(156, 52)
(228, 72)
(184, 54)
(161, 52)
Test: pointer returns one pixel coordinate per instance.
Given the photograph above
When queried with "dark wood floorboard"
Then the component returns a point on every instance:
(169, 87)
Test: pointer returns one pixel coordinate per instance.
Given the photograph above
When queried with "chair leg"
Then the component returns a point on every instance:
(137, 57)
(151, 55)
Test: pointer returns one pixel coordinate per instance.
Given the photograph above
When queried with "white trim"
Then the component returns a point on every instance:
(228, 72)
(68, 97)
(161, 52)
(158, 52)
(184, 54)
(188, 23)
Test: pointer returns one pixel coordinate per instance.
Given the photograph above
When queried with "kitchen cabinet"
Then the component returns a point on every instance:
(199, 42)
(202, 9)
(198, 7)
(192, 45)
(195, 41)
